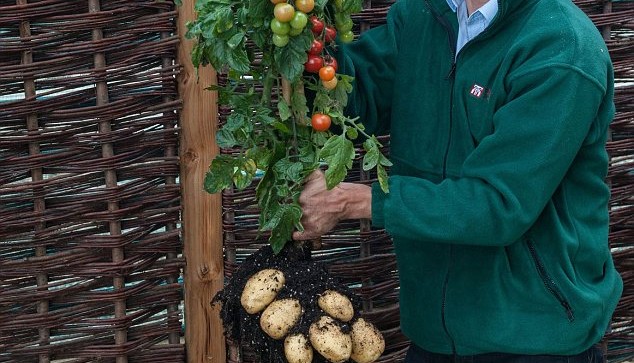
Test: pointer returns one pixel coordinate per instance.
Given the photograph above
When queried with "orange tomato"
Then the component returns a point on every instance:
(327, 73)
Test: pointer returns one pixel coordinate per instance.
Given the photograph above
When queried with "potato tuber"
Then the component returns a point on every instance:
(261, 289)
(328, 339)
(367, 342)
(297, 349)
(336, 305)
(279, 317)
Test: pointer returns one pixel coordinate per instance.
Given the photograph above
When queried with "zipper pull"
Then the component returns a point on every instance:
(452, 71)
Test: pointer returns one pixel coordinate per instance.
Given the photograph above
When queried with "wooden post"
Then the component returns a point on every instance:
(202, 224)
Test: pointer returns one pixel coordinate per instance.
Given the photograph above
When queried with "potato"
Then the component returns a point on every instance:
(261, 289)
(328, 339)
(297, 349)
(336, 305)
(279, 317)
(367, 342)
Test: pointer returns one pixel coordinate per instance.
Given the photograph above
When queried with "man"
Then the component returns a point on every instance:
(498, 114)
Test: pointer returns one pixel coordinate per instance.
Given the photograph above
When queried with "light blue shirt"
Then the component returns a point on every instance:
(470, 26)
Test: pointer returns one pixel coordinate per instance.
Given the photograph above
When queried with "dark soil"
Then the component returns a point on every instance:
(305, 281)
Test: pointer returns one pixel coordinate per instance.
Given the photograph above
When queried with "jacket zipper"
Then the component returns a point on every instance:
(452, 38)
(548, 281)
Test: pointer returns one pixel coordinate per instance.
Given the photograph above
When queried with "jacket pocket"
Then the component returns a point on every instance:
(548, 281)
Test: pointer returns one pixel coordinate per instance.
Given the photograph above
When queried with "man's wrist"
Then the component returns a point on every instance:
(357, 201)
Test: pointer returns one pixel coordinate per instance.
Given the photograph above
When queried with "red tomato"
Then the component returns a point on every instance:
(320, 122)
(331, 61)
(317, 25)
(326, 73)
(316, 47)
(331, 34)
(313, 64)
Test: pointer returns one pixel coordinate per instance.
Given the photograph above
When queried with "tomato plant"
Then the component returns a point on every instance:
(276, 135)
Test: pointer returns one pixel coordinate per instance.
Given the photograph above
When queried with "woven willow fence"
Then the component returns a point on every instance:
(89, 203)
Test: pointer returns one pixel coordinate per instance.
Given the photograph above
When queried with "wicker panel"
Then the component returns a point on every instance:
(89, 204)
(618, 27)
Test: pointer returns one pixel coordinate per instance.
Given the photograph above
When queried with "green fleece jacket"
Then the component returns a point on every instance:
(498, 205)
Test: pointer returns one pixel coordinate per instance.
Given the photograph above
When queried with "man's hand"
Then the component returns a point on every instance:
(323, 208)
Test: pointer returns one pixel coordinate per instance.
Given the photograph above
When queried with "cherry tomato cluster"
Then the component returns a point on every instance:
(320, 62)
(289, 20)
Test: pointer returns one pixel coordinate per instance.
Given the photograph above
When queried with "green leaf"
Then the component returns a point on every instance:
(320, 4)
(282, 225)
(235, 121)
(384, 161)
(235, 40)
(383, 178)
(220, 174)
(371, 157)
(283, 109)
(244, 173)
(299, 105)
(290, 59)
(338, 153)
(340, 94)
(225, 139)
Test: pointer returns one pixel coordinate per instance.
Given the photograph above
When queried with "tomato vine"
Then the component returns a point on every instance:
(263, 46)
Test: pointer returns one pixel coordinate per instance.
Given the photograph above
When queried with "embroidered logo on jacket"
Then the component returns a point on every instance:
(477, 91)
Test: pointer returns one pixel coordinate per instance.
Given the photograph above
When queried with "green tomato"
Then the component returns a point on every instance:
(295, 31)
(299, 20)
(280, 28)
(346, 37)
(339, 4)
(343, 23)
(280, 40)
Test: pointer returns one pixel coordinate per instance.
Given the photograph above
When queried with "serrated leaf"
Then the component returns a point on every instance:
(225, 139)
(383, 178)
(290, 59)
(371, 158)
(282, 127)
(338, 153)
(282, 225)
(340, 94)
(384, 161)
(244, 174)
(235, 40)
(283, 109)
(235, 121)
(219, 175)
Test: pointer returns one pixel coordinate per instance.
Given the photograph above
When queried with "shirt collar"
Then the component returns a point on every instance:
(488, 10)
